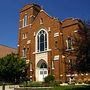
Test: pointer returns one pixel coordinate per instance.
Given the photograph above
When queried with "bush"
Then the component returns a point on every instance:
(49, 78)
(39, 84)
(49, 81)
(32, 84)
(55, 83)
(51, 84)
(80, 81)
(60, 82)
(87, 82)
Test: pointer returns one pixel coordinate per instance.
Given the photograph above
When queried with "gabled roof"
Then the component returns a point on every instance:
(70, 21)
(54, 18)
(4, 50)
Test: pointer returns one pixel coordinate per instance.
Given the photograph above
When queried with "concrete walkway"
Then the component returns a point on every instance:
(9, 87)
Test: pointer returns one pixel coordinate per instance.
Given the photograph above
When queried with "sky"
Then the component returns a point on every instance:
(62, 9)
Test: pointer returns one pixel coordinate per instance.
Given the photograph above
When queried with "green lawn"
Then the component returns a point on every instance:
(68, 87)
(71, 87)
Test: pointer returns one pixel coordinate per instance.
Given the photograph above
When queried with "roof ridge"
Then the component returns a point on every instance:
(7, 46)
(54, 18)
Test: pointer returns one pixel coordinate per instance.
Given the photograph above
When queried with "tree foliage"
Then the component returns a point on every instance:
(12, 69)
(83, 49)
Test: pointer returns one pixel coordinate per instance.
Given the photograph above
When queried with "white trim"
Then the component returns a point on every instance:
(53, 68)
(31, 67)
(61, 75)
(86, 74)
(76, 31)
(30, 25)
(18, 45)
(49, 29)
(24, 36)
(34, 34)
(67, 45)
(68, 75)
(36, 40)
(41, 20)
(20, 20)
(29, 41)
(75, 75)
(25, 21)
(27, 61)
(56, 57)
(38, 57)
(41, 10)
(42, 51)
(30, 76)
(56, 34)
(20, 28)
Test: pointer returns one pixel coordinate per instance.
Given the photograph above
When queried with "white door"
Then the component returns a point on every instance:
(43, 72)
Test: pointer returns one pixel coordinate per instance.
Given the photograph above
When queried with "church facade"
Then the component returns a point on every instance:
(47, 44)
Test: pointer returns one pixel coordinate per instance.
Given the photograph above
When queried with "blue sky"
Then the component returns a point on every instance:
(9, 15)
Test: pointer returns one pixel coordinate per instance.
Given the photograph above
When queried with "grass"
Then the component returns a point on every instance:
(68, 87)
(71, 87)
(55, 87)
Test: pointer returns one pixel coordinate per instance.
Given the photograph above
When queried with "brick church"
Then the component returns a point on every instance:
(47, 43)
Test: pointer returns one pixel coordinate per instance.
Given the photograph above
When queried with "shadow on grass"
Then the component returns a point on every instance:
(72, 87)
(79, 88)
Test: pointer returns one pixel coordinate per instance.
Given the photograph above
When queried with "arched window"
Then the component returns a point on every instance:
(24, 51)
(30, 66)
(69, 43)
(42, 41)
(43, 65)
(41, 21)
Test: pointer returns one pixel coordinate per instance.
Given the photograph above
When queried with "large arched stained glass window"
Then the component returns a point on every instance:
(42, 41)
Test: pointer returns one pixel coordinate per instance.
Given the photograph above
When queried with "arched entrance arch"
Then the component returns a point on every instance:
(42, 69)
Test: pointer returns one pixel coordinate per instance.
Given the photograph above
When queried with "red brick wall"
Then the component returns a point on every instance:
(65, 28)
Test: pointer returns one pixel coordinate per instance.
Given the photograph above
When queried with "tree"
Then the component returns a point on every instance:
(12, 69)
(83, 49)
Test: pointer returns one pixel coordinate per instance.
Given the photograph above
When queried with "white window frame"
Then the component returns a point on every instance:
(25, 21)
(36, 45)
(24, 52)
(67, 44)
(24, 36)
(31, 67)
(41, 21)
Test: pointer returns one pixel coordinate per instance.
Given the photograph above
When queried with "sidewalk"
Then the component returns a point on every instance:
(9, 87)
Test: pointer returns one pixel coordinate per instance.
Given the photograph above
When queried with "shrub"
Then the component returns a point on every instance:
(51, 84)
(49, 81)
(60, 82)
(80, 81)
(49, 78)
(32, 84)
(55, 83)
(87, 82)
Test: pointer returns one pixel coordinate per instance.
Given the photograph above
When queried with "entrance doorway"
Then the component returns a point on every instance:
(43, 71)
